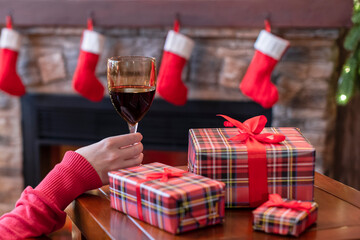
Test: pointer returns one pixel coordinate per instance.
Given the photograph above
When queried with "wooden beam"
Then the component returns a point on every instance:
(199, 13)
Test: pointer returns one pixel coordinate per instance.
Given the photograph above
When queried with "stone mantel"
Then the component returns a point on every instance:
(202, 91)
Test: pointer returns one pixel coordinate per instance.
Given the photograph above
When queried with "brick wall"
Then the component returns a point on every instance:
(304, 78)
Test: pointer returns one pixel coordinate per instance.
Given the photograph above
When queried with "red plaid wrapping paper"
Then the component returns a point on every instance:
(283, 221)
(178, 205)
(290, 164)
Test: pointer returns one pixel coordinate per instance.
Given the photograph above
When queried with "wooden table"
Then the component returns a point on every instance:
(338, 218)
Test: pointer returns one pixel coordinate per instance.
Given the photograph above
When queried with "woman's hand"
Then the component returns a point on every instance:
(114, 153)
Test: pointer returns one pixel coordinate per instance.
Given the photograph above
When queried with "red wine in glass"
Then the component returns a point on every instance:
(132, 101)
(131, 84)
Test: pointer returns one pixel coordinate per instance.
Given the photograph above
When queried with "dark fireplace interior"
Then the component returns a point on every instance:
(52, 123)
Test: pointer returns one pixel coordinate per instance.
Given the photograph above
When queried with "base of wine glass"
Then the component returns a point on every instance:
(133, 128)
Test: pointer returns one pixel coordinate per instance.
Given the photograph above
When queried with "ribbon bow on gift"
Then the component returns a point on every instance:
(275, 200)
(250, 134)
(164, 175)
(252, 128)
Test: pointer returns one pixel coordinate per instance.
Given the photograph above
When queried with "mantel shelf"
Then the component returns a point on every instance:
(161, 13)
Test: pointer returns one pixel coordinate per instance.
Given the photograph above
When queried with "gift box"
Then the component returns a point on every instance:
(166, 197)
(223, 154)
(284, 217)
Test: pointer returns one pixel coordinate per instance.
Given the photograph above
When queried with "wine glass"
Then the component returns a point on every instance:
(131, 83)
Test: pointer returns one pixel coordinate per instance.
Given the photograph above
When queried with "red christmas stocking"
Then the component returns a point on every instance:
(10, 81)
(84, 80)
(256, 83)
(177, 51)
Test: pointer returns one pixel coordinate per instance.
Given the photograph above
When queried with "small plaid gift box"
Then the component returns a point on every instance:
(167, 197)
(284, 217)
(288, 166)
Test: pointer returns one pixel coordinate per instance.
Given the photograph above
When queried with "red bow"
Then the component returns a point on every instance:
(163, 175)
(250, 133)
(275, 200)
(152, 176)
(251, 129)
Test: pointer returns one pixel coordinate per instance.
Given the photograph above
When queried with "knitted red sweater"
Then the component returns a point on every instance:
(40, 211)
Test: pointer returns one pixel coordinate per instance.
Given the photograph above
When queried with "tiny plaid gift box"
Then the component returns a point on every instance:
(167, 197)
(283, 216)
(250, 167)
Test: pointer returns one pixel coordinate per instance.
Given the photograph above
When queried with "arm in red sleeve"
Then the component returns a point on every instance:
(40, 211)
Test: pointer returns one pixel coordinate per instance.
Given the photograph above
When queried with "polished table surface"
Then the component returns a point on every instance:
(338, 218)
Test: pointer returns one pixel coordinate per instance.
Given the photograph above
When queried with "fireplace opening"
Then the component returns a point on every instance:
(53, 124)
(54, 154)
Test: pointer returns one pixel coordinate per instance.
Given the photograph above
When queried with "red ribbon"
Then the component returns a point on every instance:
(275, 200)
(176, 25)
(90, 24)
(9, 22)
(164, 176)
(267, 25)
(250, 133)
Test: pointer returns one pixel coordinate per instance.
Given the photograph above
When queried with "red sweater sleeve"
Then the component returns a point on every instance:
(40, 211)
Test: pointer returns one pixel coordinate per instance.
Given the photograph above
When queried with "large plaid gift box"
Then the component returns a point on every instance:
(283, 216)
(167, 197)
(290, 164)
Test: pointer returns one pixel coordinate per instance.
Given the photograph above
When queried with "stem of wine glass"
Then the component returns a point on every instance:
(133, 128)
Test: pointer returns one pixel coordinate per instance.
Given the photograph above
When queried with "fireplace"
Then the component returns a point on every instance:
(51, 120)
